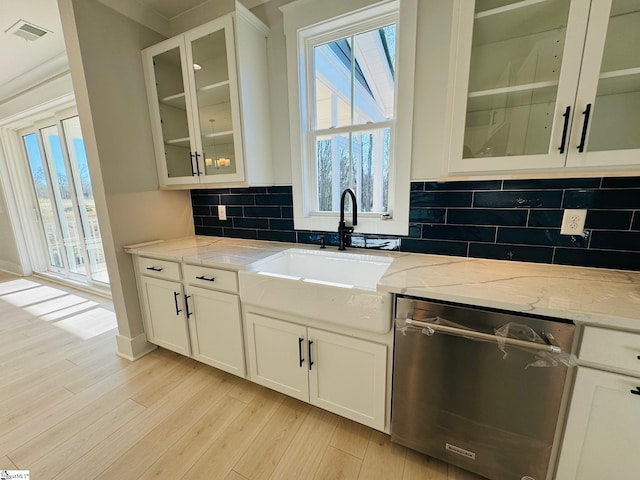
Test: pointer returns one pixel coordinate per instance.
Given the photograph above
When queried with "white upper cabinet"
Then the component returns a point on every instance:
(208, 99)
(545, 85)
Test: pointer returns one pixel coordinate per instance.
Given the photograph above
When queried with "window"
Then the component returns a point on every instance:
(59, 170)
(351, 111)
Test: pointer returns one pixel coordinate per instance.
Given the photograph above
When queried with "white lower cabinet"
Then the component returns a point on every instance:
(163, 309)
(277, 355)
(338, 373)
(216, 329)
(601, 436)
(193, 310)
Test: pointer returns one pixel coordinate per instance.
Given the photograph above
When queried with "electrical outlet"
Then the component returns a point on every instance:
(573, 222)
(222, 212)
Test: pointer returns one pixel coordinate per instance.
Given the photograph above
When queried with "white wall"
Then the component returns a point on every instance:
(9, 257)
(106, 67)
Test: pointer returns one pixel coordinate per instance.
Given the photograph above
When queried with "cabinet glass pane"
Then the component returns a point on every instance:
(173, 113)
(515, 65)
(214, 103)
(616, 110)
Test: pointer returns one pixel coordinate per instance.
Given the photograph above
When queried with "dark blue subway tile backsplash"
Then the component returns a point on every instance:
(500, 219)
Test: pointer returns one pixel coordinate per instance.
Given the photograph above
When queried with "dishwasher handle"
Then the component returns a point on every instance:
(484, 336)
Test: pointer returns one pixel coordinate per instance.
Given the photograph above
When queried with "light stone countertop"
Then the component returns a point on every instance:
(594, 296)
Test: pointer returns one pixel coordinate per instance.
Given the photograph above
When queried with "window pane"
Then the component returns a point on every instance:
(332, 67)
(361, 67)
(359, 161)
(64, 195)
(374, 86)
(370, 169)
(324, 156)
(45, 203)
(85, 199)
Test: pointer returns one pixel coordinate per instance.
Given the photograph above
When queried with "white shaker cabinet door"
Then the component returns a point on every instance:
(163, 308)
(348, 377)
(277, 355)
(216, 329)
(601, 436)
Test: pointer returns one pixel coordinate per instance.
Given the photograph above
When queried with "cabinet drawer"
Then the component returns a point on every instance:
(214, 278)
(158, 268)
(619, 350)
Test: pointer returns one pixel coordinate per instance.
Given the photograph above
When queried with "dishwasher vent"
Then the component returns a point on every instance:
(26, 30)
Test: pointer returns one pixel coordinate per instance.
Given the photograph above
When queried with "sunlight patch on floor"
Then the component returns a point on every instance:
(31, 296)
(16, 285)
(65, 302)
(89, 323)
(83, 317)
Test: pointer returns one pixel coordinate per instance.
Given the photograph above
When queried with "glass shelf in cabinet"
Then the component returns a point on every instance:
(520, 19)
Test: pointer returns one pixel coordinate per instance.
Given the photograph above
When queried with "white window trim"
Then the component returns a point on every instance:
(306, 18)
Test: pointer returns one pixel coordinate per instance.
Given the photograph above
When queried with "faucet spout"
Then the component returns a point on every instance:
(344, 232)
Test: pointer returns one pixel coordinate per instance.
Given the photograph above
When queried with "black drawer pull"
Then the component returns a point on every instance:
(583, 137)
(309, 353)
(565, 129)
(198, 164)
(638, 357)
(175, 300)
(202, 277)
(300, 357)
(155, 269)
(191, 155)
(186, 305)
(636, 391)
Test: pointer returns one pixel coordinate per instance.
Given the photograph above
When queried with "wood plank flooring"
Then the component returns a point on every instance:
(70, 408)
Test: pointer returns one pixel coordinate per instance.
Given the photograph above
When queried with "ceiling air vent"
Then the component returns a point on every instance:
(27, 30)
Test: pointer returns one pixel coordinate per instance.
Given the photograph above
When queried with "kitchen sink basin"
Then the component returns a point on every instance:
(323, 285)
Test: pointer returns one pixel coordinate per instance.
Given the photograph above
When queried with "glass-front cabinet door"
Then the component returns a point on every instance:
(192, 89)
(214, 101)
(607, 119)
(546, 84)
(170, 110)
(517, 69)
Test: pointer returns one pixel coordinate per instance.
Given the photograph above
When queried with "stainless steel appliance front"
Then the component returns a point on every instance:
(457, 397)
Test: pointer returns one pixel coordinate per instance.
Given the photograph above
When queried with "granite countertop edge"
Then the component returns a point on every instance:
(584, 295)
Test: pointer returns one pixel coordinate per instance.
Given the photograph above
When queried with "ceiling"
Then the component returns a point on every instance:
(24, 64)
(19, 57)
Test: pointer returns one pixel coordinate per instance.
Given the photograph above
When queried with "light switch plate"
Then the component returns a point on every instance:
(222, 212)
(573, 222)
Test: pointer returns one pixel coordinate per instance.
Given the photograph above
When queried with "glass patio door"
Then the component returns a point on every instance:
(62, 186)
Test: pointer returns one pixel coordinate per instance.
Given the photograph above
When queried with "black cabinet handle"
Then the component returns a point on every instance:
(635, 391)
(155, 269)
(202, 277)
(300, 357)
(186, 305)
(309, 353)
(583, 137)
(638, 357)
(198, 165)
(175, 300)
(192, 156)
(565, 129)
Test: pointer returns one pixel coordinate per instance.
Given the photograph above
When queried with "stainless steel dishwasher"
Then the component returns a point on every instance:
(478, 388)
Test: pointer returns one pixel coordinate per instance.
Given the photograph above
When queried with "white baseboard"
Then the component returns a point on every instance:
(11, 267)
(134, 348)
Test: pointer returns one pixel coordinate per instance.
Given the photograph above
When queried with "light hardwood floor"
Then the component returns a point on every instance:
(71, 409)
